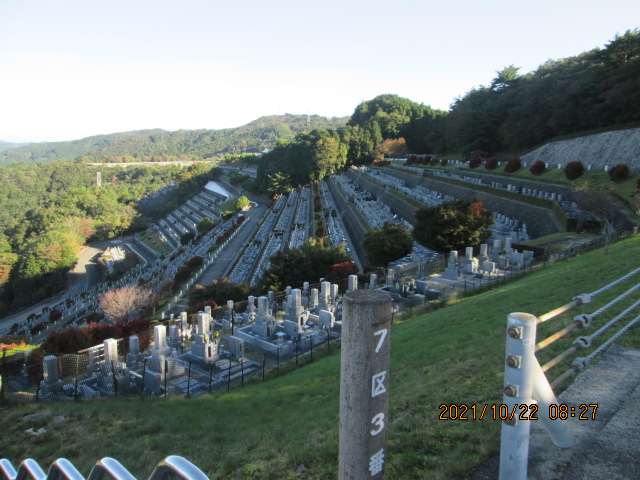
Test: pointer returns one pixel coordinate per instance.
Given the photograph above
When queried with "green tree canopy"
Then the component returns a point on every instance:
(242, 202)
(186, 238)
(308, 263)
(204, 225)
(452, 225)
(312, 156)
(389, 243)
(220, 291)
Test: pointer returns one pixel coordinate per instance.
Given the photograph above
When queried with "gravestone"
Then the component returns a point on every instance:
(334, 292)
(452, 272)
(313, 299)
(326, 319)
(483, 253)
(489, 267)
(353, 283)
(204, 348)
(236, 347)
(110, 351)
(51, 384)
(134, 357)
(174, 337)
(160, 341)
(295, 307)
(262, 326)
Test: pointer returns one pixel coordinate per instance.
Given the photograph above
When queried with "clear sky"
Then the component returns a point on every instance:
(74, 68)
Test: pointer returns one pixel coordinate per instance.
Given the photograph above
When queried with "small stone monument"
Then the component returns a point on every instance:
(353, 283)
(134, 357)
(160, 338)
(51, 384)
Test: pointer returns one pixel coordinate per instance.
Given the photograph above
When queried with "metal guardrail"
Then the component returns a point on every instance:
(171, 468)
(526, 388)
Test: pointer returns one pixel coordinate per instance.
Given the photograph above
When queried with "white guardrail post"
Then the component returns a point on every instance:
(518, 386)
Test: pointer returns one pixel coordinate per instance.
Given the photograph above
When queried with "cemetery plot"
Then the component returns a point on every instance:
(187, 359)
(73, 310)
(286, 224)
(302, 221)
(503, 225)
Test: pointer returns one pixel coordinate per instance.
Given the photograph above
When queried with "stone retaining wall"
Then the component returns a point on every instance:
(601, 150)
(397, 205)
(540, 221)
(355, 229)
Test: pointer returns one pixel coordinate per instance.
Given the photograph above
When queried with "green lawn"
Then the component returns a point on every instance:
(287, 427)
(151, 238)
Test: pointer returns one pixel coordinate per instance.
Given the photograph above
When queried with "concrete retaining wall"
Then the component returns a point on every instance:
(540, 221)
(600, 150)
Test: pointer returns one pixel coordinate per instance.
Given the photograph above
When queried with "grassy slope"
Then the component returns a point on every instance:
(454, 355)
(595, 178)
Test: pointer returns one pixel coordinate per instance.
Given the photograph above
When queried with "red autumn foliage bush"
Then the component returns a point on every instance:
(513, 165)
(491, 163)
(538, 168)
(573, 170)
(475, 162)
(619, 173)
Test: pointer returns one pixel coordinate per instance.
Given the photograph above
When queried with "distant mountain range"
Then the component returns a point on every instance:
(254, 137)
(7, 145)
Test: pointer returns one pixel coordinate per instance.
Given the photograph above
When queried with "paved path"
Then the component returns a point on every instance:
(220, 267)
(87, 272)
(609, 446)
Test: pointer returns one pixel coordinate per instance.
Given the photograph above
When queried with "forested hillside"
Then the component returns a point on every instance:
(50, 210)
(514, 113)
(384, 126)
(598, 89)
(7, 145)
(161, 145)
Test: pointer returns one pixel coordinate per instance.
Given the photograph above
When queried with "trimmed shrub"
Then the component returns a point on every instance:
(476, 157)
(538, 168)
(513, 165)
(38, 327)
(195, 262)
(381, 163)
(433, 162)
(619, 173)
(475, 162)
(93, 317)
(491, 163)
(573, 170)
(443, 162)
(411, 159)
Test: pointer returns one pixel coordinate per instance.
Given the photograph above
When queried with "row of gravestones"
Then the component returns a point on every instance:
(306, 320)
(488, 262)
(155, 274)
